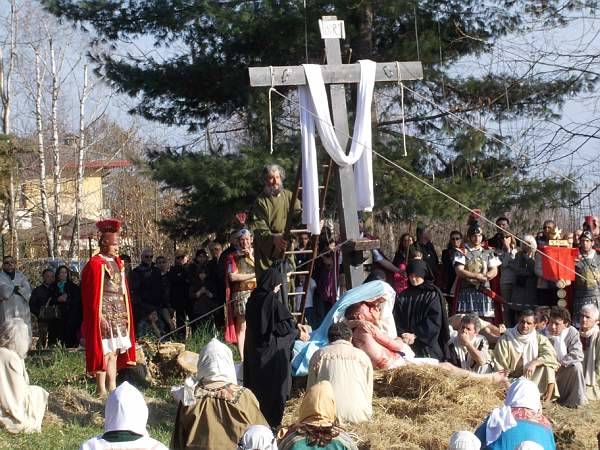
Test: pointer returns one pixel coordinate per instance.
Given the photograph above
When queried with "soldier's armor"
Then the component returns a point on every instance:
(114, 307)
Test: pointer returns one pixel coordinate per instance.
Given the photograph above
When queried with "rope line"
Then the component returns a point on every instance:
(475, 127)
(182, 327)
(416, 177)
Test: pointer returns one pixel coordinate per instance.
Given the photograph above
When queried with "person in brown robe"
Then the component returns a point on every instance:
(214, 411)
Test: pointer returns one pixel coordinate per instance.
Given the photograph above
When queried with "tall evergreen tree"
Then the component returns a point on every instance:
(210, 44)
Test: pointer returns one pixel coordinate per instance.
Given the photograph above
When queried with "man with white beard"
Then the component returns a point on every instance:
(269, 218)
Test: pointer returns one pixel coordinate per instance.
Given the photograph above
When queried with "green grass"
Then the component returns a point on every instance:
(74, 415)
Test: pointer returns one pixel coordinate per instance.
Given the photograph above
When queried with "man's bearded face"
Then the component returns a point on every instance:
(273, 184)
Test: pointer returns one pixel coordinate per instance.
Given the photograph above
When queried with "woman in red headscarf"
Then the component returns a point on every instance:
(107, 315)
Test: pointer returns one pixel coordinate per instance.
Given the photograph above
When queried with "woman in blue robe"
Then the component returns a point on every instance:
(519, 420)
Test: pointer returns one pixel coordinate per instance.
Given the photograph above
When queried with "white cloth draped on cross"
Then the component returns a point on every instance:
(314, 107)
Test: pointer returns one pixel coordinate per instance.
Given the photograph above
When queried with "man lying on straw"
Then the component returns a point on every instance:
(368, 310)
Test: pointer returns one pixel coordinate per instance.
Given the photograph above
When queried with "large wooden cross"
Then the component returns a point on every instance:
(336, 74)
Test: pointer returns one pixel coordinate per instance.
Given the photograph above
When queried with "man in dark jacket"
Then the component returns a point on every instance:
(427, 249)
(146, 292)
(179, 291)
(40, 297)
(216, 278)
(420, 316)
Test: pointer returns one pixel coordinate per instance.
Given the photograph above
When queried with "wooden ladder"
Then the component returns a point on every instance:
(314, 240)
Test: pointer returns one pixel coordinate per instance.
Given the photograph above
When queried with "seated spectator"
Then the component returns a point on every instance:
(469, 349)
(420, 314)
(488, 330)
(542, 317)
(519, 420)
(589, 334)
(316, 423)
(569, 353)
(22, 406)
(350, 373)
(521, 351)
(257, 437)
(213, 411)
(125, 419)
(464, 440)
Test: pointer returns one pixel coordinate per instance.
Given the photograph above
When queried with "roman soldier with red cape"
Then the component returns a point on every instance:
(107, 314)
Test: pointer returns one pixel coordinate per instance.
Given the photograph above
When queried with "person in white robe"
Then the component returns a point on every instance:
(569, 353)
(125, 419)
(22, 406)
(350, 372)
(589, 333)
(14, 293)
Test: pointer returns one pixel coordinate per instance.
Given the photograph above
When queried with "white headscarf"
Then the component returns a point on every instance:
(524, 344)
(126, 410)
(258, 437)
(215, 363)
(529, 445)
(464, 440)
(522, 393)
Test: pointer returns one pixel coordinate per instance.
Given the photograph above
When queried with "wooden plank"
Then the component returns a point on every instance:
(334, 73)
(361, 245)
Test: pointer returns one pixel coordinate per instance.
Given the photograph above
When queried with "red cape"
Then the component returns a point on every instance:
(92, 280)
(230, 335)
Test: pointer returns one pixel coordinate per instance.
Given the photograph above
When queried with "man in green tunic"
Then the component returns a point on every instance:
(269, 218)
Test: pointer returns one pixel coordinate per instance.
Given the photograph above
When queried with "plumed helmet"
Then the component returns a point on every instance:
(474, 228)
(109, 230)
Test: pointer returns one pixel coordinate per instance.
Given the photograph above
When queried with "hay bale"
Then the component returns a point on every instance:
(419, 407)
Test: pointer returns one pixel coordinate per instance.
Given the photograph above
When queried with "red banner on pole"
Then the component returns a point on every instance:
(558, 263)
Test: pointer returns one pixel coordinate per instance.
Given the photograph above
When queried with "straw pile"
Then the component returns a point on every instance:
(419, 407)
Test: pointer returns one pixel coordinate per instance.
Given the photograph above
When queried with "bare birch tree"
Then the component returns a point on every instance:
(39, 80)
(7, 65)
(74, 246)
(54, 92)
